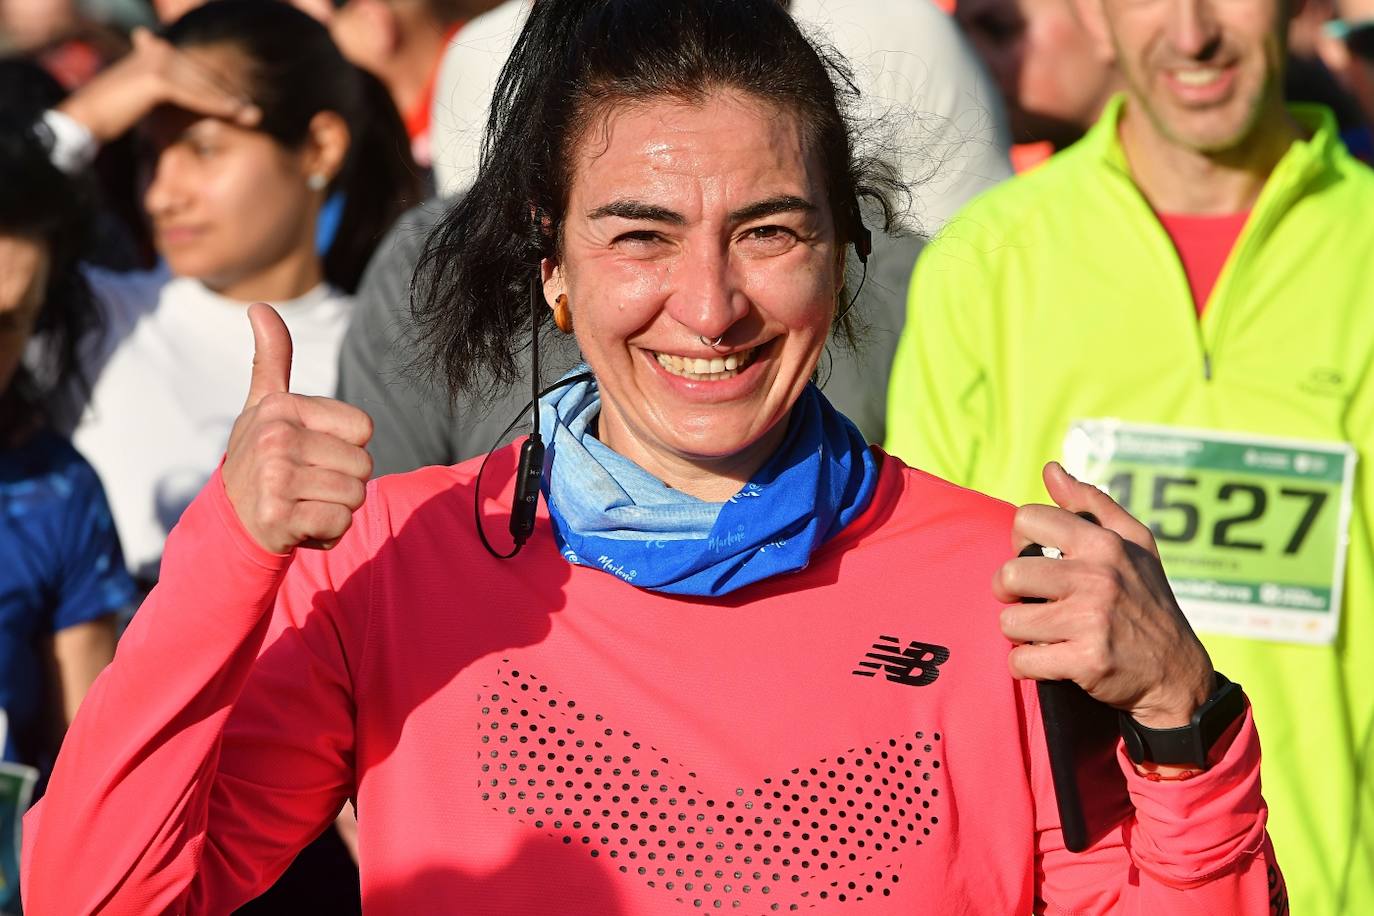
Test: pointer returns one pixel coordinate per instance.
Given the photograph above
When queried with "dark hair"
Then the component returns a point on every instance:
(39, 202)
(26, 88)
(297, 72)
(574, 60)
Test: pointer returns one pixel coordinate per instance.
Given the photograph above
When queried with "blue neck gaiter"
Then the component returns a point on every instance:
(610, 514)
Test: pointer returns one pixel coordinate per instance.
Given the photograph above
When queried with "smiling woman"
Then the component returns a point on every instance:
(745, 661)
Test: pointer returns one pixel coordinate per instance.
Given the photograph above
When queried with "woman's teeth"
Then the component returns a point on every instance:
(706, 370)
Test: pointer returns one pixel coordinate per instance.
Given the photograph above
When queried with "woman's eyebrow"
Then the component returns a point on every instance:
(783, 203)
(638, 210)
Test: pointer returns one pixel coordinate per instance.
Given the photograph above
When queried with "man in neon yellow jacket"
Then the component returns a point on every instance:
(1181, 307)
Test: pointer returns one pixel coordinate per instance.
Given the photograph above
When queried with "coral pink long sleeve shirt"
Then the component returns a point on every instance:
(528, 737)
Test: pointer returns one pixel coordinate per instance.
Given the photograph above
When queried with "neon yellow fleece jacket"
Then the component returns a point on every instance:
(1058, 297)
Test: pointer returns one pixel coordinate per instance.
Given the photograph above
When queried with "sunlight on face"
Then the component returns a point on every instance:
(1202, 70)
(687, 222)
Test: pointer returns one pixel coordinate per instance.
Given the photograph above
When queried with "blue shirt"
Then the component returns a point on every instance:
(60, 565)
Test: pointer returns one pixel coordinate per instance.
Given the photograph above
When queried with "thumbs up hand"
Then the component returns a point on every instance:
(296, 468)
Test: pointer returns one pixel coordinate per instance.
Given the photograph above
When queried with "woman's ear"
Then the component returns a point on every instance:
(326, 145)
(1094, 20)
(554, 286)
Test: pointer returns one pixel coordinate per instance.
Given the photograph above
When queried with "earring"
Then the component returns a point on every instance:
(317, 181)
(562, 315)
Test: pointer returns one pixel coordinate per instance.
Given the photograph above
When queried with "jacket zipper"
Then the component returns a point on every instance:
(1165, 250)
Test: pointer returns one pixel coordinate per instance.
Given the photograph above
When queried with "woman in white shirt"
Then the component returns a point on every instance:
(261, 139)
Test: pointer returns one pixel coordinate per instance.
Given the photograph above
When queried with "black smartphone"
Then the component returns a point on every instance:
(1081, 734)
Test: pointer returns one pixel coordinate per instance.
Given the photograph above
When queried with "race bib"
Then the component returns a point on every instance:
(1252, 530)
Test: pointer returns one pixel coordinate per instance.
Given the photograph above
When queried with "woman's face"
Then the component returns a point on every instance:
(23, 278)
(226, 203)
(688, 222)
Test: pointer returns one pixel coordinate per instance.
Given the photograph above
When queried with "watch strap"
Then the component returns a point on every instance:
(1189, 744)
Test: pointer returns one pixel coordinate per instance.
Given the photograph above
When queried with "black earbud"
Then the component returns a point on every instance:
(863, 239)
(863, 247)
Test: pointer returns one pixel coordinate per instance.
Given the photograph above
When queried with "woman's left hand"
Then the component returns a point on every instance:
(1109, 622)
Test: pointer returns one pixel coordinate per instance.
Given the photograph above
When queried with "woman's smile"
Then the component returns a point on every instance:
(720, 379)
(706, 369)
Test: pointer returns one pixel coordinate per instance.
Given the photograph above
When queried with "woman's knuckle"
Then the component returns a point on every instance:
(365, 425)
(356, 463)
(1008, 578)
(1106, 544)
(1016, 661)
(1107, 584)
(1100, 618)
(276, 476)
(273, 513)
(1095, 661)
(337, 519)
(274, 435)
(279, 404)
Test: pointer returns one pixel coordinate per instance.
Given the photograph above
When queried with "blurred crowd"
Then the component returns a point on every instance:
(164, 165)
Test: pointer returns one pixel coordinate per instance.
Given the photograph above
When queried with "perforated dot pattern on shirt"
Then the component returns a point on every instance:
(828, 831)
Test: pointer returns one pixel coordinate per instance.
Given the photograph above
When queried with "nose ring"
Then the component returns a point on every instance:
(710, 343)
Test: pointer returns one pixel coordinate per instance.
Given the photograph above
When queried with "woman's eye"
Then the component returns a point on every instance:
(770, 238)
(640, 241)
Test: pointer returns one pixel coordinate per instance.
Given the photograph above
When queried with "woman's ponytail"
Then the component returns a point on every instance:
(379, 181)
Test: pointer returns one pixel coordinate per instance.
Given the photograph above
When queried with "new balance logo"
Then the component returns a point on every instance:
(915, 666)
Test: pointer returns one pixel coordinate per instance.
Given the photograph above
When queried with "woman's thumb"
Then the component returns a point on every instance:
(271, 353)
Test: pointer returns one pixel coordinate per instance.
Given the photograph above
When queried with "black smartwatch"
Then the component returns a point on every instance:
(1190, 744)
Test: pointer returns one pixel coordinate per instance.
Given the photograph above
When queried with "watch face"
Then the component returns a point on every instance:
(1218, 714)
(1190, 744)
